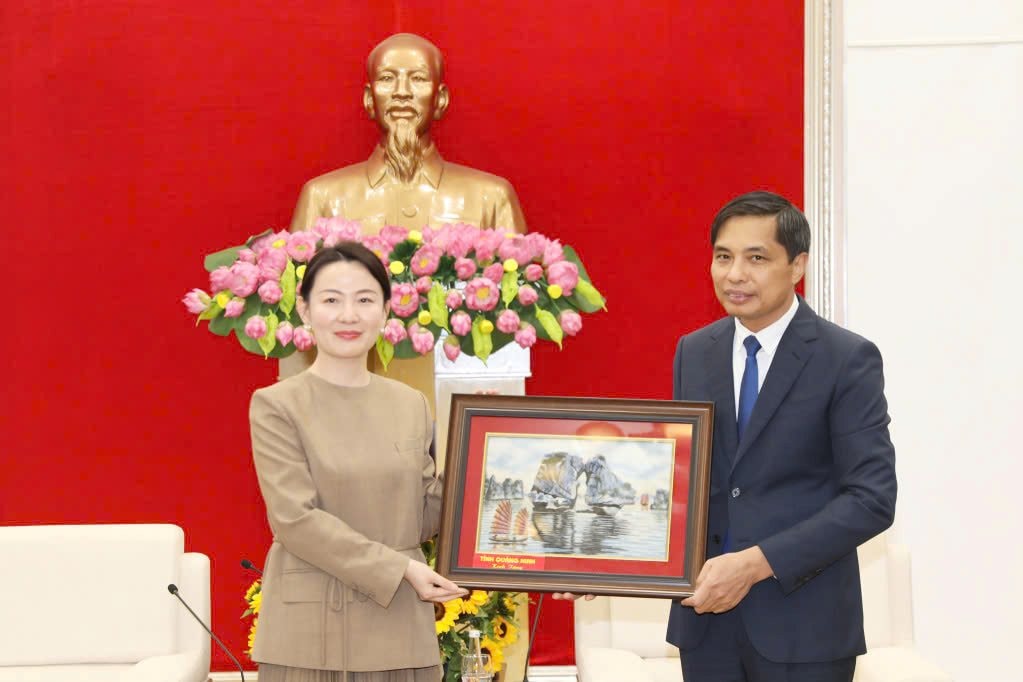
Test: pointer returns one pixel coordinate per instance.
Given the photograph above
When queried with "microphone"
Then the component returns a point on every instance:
(173, 589)
(249, 566)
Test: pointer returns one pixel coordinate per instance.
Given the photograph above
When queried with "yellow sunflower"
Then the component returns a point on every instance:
(252, 635)
(256, 602)
(509, 602)
(445, 615)
(496, 652)
(505, 633)
(474, 601)
(253, 590)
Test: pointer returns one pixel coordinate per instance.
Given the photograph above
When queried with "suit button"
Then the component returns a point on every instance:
(716, 538)
(736, 492)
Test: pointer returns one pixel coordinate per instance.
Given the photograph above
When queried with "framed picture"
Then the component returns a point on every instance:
(585, 495)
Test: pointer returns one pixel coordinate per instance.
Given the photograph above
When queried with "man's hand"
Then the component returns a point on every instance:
(726, 579)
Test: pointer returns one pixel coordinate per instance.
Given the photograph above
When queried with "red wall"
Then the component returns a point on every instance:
(136, 137)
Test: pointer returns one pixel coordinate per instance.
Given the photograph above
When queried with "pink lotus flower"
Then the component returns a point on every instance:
(553, 253)
(221, 279)
(422, 339)
(285, 332)
(255, 327)
(526, 336)
(537, 244)
(270, 292)
(528, 295)
(461, 323)
(571, 322)
(508, 321)
(451, 348)
(247, 256)
(245, 278)
(377, 245)
(302, 246)
(424, 284)
(533, 272)
(453, 299)
(335, 230)
(404, 299)
(465, 268)
(267, 241)
(197, 301)
(426, 260)
(487, 244)
(564, 274)
(494, 272)
(394, 331)
(457, 239)
(481, 294)
(515, 247)
(234, 308)
(268, 274)
(393, 235)
(275, 259)
(303, 339)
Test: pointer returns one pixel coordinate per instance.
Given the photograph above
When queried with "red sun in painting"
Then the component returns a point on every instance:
(604, 429)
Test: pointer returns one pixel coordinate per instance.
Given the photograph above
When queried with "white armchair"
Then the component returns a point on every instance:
(90, 603)
(622, 638)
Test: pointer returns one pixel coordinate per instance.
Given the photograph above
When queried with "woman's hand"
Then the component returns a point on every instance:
(430, 585)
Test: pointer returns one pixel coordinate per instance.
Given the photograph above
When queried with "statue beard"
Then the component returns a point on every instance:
(404, 151)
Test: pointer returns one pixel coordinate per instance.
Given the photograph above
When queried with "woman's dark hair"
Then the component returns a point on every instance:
(791, 229)
(345, 252)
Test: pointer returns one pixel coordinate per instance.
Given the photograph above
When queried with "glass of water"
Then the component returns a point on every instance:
(476, 668)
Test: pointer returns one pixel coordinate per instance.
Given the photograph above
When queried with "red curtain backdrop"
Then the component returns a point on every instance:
(137, 137)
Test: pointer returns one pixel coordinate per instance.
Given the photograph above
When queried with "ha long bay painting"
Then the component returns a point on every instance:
(606, 496)
(576, 496)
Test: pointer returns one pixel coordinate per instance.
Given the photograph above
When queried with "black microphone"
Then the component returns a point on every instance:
(173, 589)
(249, 566)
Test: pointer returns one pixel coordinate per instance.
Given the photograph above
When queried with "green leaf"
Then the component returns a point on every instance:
(385, 351)
(438, 306)
(587, 298)
(222, 326)
(269, 340)
(210, 312)
(482, 344)
(225, 258)
(288, 282)
(550, 326)
(509, 287)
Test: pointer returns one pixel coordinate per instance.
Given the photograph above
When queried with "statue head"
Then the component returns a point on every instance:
(404, 94)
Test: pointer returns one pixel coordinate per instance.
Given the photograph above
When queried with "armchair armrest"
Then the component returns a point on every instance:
(598, 664)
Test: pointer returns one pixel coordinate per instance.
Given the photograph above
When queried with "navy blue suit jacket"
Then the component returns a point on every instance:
(813, 478)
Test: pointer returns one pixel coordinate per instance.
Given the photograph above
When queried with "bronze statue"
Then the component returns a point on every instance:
(405, 181)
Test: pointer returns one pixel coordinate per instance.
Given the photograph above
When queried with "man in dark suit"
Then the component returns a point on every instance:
(803, 467)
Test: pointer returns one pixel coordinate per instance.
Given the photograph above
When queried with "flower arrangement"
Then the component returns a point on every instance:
(480, 289)
(492, 613)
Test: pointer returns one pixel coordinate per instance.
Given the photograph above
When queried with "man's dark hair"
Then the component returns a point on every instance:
(346, 252)
(791, 228)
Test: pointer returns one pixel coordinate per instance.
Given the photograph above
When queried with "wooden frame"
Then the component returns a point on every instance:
(587, 495)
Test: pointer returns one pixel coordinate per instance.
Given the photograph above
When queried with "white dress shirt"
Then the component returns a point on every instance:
(769, 338)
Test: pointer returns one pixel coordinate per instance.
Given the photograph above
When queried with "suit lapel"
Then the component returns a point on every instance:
(722, 386)
(792, 354)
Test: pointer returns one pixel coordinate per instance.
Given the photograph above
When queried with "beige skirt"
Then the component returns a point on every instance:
(282, 673)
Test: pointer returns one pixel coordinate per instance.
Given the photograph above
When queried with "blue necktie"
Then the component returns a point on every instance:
(748, 391)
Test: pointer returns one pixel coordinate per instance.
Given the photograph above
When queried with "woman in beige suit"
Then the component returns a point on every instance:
(343, 462)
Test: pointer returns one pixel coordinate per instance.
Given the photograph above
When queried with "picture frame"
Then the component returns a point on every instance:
(586, 495)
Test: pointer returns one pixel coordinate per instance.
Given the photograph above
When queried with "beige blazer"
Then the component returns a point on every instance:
(350, 491)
